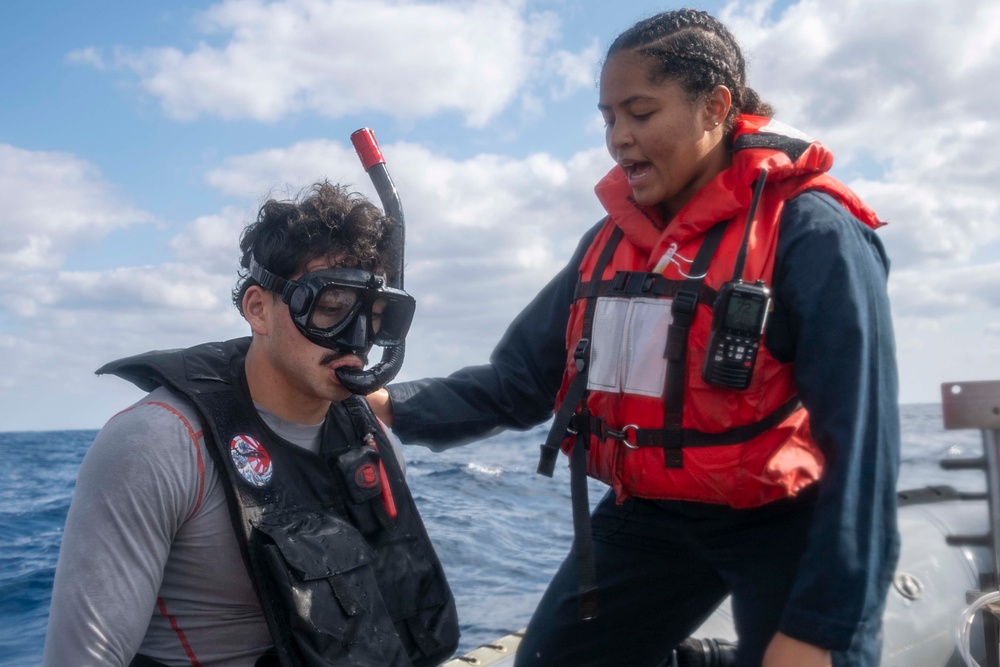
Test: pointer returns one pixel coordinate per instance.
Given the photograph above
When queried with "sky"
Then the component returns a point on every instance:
(137, 138)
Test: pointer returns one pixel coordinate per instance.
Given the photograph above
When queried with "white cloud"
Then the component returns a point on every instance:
(485, 210)
(944, 292)
(896, 89)
(211, 242)
(70, 323)
(932, 223)
(89, 56)
(334, 57)
(167, 288)
(281, 172)
(51, 203)
(578, 71)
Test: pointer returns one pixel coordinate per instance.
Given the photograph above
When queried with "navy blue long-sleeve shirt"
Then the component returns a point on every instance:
(831, 318)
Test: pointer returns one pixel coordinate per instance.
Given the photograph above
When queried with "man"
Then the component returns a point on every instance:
(250, 511)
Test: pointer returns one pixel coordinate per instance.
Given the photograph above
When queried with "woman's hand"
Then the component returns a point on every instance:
(784, 651)
(381, 405)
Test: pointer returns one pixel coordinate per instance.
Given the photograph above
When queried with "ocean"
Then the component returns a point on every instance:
(500, 529)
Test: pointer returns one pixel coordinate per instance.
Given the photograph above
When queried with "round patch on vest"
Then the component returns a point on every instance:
(367, 476)
(251, 460)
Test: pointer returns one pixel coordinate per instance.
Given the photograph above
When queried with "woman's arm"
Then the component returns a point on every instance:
(833, 319)
(517, 389)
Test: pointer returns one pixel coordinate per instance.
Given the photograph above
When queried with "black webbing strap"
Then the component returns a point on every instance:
(641, 283)
(576, 397)
(345, 596)
(653, 437)
(741, 256)
(361, 416)
(578, 388)
(682, 315)
(365, 423)
(583, 539)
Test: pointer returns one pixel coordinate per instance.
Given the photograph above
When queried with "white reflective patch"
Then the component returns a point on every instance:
(627, 345)
(606, 344)
(646, 368)
(777, 127)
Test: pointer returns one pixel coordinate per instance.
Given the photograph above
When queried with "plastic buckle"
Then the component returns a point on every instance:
(647, 284)
(580, 353)
(684, 303)
(636, 282)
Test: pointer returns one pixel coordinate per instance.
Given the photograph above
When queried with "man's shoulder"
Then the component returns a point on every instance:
(159, 407)
(161, 423)
(152, 453)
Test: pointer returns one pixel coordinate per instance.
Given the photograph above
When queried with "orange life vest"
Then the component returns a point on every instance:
(741, 448)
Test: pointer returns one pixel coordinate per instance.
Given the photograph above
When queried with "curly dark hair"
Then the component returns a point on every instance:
(695, 49)
(325, 220)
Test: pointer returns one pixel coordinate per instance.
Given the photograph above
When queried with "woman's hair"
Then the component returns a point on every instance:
(325, 221)
(693, 48)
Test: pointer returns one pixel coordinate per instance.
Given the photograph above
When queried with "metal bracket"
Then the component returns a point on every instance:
(971, 405)
(977, 405)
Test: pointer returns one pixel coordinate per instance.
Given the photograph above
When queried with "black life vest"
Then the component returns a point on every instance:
(343, 579)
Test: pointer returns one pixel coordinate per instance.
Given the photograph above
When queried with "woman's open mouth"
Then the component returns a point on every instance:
(635, 171)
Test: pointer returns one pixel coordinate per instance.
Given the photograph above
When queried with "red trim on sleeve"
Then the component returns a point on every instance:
(180, 633)
(195, 437)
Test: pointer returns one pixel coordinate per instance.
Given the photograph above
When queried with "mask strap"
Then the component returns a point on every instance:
(271, 281)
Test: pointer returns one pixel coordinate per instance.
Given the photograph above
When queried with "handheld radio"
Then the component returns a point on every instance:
(739, 316)
(737, 328)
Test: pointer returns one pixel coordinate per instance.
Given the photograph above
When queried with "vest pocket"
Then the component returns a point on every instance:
(322, 599)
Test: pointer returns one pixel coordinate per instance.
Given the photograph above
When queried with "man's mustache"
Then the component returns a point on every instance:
(331, 357)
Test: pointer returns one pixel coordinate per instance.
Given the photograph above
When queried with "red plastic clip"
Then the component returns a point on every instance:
(387, 499)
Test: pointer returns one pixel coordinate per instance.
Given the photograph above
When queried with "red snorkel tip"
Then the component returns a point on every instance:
(367, 148)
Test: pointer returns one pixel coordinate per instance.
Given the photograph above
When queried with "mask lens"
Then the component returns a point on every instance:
(334, 307)
(391, 319)
(378, 312)
(351, 309)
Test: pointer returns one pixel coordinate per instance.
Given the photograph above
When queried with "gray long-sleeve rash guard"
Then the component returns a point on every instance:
(149, 561)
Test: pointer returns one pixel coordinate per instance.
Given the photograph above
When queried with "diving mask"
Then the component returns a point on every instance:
(343, 309)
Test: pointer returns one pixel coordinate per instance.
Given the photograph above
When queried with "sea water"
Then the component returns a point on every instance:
(500, 529)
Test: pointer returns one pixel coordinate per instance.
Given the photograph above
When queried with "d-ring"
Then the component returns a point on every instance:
(624, 432)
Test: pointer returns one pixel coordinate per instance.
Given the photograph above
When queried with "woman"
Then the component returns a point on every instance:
(765, 471)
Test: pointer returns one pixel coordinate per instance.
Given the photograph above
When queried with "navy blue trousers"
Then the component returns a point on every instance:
(662, 568)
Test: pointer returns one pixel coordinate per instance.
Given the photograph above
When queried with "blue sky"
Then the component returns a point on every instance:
(136, 139)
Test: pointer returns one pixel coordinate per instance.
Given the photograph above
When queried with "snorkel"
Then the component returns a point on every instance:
(359, 381)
